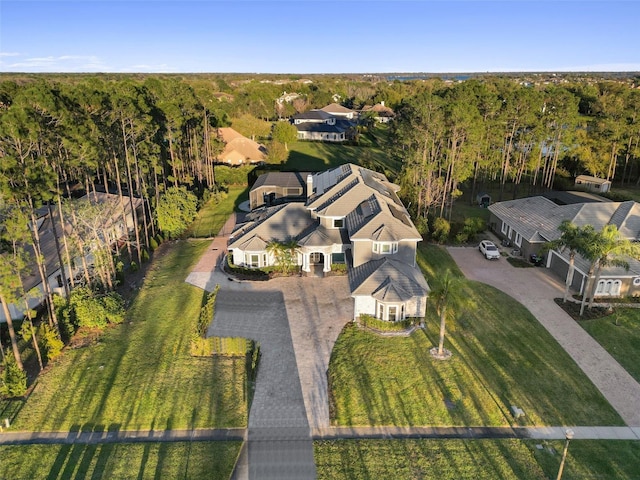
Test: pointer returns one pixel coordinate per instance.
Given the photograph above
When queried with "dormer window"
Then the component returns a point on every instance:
(385, 248)
(338, 222)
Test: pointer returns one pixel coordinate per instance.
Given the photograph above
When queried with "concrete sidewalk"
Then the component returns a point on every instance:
(536, 289)
(329, 433)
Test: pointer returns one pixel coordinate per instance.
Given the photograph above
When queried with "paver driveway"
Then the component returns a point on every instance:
(536, 288)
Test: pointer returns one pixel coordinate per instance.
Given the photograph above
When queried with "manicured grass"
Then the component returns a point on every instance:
(619, 334)
(502, 356)
(590, 459)
(316, 156)
(213, 215)
(192, 460)
(434, 260)
(413, 459)
(140, 374)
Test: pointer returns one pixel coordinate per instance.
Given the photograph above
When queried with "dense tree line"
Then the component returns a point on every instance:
(498, 130)
(145, 137)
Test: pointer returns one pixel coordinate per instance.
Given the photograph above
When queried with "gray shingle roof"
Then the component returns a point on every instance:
(537, 218)
(274, 223)
(376, 275)
(282, 179)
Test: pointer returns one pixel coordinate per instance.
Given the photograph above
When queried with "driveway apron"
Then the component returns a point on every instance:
(279, 442)
(536, 289)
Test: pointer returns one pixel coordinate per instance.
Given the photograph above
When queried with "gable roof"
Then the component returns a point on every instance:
(337, 109)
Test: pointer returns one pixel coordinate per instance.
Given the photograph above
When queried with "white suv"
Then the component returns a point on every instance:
(489, 250)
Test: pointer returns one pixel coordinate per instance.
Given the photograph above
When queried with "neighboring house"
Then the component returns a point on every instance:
(338, 110)
(530, 222)
(33, 283)
(382, 113)
(351, 215)
(239, 150)
(278, 187)
(593, 184)
(323, 126)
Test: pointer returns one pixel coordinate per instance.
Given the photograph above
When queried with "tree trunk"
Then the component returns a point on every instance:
(443, 316)
(54, 230)
(12, 332)
(587, 287)
(569, 279)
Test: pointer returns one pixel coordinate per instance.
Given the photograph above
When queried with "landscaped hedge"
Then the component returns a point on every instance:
(250, 273)
(368, 321)
(201, 346)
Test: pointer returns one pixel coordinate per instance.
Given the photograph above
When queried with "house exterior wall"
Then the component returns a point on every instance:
(256, 197)
(364, 305)
(363, 252)
(321, 136)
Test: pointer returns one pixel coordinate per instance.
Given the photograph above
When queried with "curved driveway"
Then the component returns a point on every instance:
(536, 288)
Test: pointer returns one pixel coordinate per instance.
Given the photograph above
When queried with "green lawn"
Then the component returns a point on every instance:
(475, 459)
(414, 459)
(502, 356)
(619, 334)
(590, 459)
(213, 215)
(140, 374)
(316, 156)
(190, 460)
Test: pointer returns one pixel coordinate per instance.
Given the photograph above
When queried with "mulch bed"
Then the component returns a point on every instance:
(573, 309)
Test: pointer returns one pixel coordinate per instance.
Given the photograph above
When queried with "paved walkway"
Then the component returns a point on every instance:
(536, 288)
(331, 433)
(279, 439)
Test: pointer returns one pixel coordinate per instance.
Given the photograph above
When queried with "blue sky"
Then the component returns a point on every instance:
(310, 36)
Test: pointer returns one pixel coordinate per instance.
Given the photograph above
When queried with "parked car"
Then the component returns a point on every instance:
(489, 250)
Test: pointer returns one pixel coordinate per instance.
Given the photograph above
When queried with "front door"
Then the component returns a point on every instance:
(316, 258)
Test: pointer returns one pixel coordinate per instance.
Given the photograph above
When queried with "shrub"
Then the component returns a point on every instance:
(153, 244)
(441, 229)
(133, 266)
(51, 343)
(422, 225)
(232, 175)
(369, 321)
(176, 209)
(86, 308)
(13, 382)
(144, 255)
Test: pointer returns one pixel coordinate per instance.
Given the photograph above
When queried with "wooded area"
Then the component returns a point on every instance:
(143, 137)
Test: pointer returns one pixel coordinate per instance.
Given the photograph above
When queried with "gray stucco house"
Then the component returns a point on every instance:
(530, 222)
(350, 215)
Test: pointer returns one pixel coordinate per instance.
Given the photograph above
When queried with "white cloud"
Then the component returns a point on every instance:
(9, 54)
(61, 63)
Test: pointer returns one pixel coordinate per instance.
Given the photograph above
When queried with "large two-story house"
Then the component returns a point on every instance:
(324, 126)
(350, 215)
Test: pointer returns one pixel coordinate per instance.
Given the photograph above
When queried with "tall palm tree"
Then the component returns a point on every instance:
(443, 295)
(573, 238)
(610, 249)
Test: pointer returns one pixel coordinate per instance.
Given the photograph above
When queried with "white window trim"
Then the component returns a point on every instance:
(636, 282)
(518, 240)
(505, 228)
(341, 219)
(385, 307)
(377, 247)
